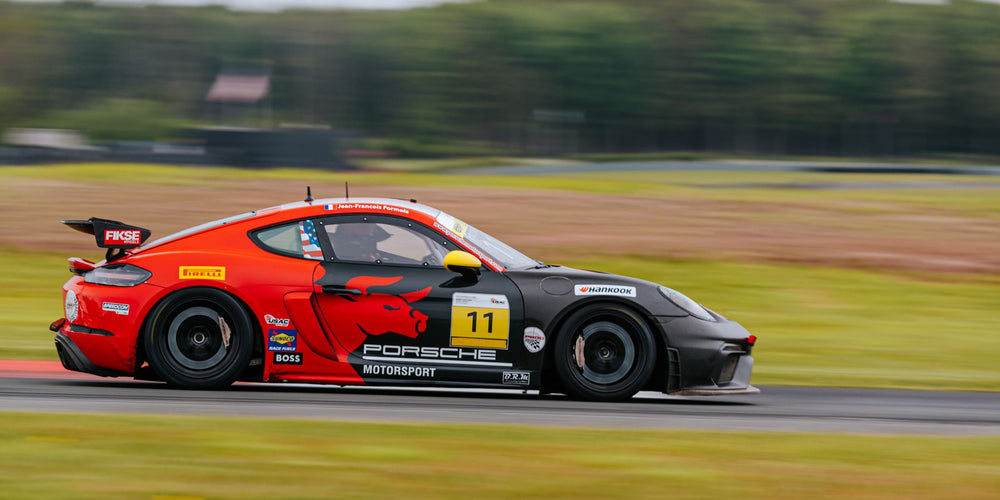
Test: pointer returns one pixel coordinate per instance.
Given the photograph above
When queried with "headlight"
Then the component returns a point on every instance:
(682, 301)
(71, 306)
(117, 275)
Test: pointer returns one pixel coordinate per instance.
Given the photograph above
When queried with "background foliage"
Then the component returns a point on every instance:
(853, 77)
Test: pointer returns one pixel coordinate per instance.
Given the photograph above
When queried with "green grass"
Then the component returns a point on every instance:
(107, 457)
(841, 327)
(30, 299)
(817, 326)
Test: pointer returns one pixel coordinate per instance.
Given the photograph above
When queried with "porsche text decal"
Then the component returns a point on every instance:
(432, 355)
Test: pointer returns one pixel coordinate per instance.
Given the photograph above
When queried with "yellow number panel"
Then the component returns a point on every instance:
(480, 320)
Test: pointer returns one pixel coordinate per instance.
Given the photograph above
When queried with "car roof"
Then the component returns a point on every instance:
(303, 209)
(378, 204)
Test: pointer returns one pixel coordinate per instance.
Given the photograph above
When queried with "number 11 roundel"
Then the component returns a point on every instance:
(480, 320)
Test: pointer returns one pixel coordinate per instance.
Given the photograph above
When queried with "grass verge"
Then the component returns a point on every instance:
(107, 457)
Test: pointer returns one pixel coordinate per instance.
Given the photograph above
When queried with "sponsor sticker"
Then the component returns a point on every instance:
(517, 378)
(534, 339)
(288, 358)
(122, 236)
(616, 290)
(454, 225)
(399, 371)
(201, 272)
(479, 320)
(121, 309)
(281, 340)
(271, 320)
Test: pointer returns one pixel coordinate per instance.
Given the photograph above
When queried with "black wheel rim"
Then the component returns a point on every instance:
(604, 352)
(195, 338)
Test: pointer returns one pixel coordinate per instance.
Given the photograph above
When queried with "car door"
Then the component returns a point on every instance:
(386, 299)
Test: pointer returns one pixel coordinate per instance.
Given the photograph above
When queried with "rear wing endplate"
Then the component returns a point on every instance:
(111, 234)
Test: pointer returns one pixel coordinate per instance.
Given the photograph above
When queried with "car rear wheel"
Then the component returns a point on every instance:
(199, 338)
(604, 352)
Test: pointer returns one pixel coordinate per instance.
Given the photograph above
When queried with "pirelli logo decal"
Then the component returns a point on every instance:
(201, 273)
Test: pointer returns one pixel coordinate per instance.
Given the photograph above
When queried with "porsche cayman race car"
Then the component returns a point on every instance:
(380, 292)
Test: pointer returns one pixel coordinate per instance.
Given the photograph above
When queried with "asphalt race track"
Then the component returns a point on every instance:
(777, 408)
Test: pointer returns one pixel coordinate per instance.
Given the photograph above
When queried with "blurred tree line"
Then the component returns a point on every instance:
(830, 77)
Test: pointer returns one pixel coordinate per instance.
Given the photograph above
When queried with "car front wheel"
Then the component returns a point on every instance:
(604, 352)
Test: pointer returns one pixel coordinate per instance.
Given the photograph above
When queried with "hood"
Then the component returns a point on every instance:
(569, 285)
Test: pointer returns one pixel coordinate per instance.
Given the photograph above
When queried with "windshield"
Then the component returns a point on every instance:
(501, 252)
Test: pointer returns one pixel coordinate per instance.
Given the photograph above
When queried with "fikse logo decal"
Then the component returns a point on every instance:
(288, 358)
(122, 236)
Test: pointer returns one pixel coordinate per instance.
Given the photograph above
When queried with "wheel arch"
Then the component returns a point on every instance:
(551, 381)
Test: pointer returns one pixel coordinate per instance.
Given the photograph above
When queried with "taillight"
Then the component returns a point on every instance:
(117, 275)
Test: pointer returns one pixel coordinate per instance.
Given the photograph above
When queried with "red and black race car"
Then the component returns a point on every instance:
(380, 292)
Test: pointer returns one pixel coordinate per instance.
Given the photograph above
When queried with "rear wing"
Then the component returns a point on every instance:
(111, 234)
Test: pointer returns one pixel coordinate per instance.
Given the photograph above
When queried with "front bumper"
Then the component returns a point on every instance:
(707, 358)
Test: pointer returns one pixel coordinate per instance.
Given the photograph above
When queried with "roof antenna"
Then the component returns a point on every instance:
(309, 194)
(347, 192)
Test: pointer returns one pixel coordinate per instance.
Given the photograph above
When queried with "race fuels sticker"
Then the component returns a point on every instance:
(534, 339)
(281, 340)
(479, 320)
(618, 291)
(201, 272)
(121, 309)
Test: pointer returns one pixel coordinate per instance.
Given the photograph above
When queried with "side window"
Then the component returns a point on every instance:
(383, 243)
(296, 238)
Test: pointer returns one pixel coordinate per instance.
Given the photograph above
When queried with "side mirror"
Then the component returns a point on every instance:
(463, 263)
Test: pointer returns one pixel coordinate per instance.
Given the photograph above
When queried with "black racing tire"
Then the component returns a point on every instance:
(186, 344)
(618, 351)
